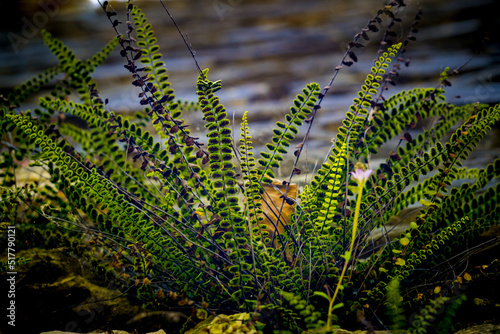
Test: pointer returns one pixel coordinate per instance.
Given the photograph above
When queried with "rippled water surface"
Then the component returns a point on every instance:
(266, 51)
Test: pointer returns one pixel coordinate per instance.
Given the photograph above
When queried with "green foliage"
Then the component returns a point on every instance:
(427, 318)
(22, 92)
(446, 323)
(394, 305)
(77, 72)
(285, 132)
(299, 310)
(357, 115)
(204, 223)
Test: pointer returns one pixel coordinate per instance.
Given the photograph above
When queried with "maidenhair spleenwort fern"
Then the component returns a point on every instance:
(205, 224)
(302, 107)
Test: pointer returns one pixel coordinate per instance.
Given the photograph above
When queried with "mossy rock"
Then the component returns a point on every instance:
(481, 329)
(221, 324)
(55, 292)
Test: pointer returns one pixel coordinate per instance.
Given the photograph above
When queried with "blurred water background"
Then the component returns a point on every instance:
(264, 51)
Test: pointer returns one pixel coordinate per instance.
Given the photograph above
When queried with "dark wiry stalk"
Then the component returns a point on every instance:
(130, 60)
(188, 45)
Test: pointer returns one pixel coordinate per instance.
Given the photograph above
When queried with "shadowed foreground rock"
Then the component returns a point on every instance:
(161, 331)
(481, 329)
(56, 292)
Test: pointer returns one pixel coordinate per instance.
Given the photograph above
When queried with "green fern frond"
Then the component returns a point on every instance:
(30, 87)
(164, 254)
(77, 71)
(250, 175)
(95, 117)
(100, 56)
(284, 133)
(223, 179)
(193, 231)
(357, 115)
(394, 305)
(427, 315)
(446, 323)
(154, 68)
(329, 198)
(399, 178)
(398, 113)
(220, 140)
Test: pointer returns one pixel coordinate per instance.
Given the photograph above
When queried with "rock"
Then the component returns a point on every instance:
(237, 324)
(53, 292)
(481, 329)
(108, 332)
(161, 331)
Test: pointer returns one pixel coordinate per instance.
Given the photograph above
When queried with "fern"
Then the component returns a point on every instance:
(283, 133)
(358, 113)
(394, 306)
(29, 88)
(446, 323)
(77, 71)
(204, 222)
(153, 68)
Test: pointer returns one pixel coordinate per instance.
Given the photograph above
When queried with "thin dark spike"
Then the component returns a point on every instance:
(188, 45)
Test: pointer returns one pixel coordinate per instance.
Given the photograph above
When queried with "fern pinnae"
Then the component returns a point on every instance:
(161, 90)
(77, 71)
(91, 182)
(186, 226)
(20, 93)
(122, 128)
(371, 26)
(467, 136)
(437, 153)
(124, 125)
(165, 115)
(397, 113)
(194, 267)
(250, 188)
(463, 197)
(150, 57)
(250, 174)
(332, 193)
(394, 305)
(357, 114)
(162, 93)
(428, 139)
(413, 194)
(111, 153)
(149, 93)
(395, 185)
(445, 230)
(182, 228)
(423, 104)
(354, 44)
(220, 148)
(283, 133)
(388, 33)
(98, 58)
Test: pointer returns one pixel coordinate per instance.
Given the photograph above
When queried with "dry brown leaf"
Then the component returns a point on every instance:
(274, 205)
